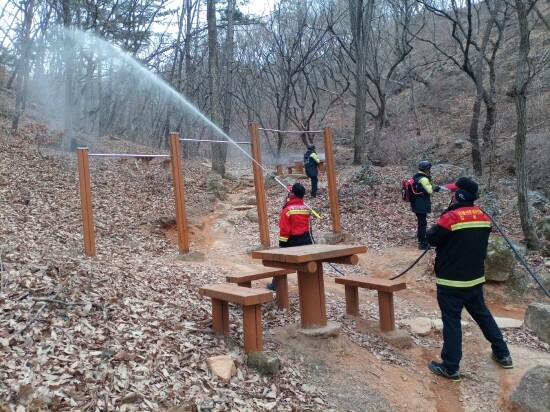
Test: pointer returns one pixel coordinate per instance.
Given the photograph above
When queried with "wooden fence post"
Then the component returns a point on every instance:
(331, 180)
(259, 183)
(179, 194)
(86, 201)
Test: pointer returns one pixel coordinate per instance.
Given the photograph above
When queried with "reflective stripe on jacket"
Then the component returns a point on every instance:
(294, 220)
(423, 202)
(461, 236)
(311, 162)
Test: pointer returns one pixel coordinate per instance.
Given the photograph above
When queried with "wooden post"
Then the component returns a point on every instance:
(220, 316)
(331, 180)
(259, 183)
(352, 300)
(252, 328)
(279, 170)
(179, 194)
(86, 201)
(299, 166)
(289, 169)
(385, 306)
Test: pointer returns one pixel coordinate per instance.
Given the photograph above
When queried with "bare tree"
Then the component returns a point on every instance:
(527, 67)
(361, 15)
(23, 66)
(477, 55)
(219, 151)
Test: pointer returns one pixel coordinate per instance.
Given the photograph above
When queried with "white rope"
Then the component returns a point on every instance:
(126, 155)
(213, 141)
(292, 131)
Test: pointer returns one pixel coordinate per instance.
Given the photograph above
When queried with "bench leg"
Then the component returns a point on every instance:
(220, 316)
(252, 328)
(385, 305)
(247, 284)
(352, 300)
(281, 287)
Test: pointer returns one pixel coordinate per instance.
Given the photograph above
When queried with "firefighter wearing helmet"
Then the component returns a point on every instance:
(311, 164)
(421, 204)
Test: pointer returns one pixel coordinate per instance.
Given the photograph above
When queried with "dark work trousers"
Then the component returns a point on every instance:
(451, 301)
(314, 180)
(421, 230)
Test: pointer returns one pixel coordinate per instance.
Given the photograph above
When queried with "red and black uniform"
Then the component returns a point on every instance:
(461, 236)
(294, 224)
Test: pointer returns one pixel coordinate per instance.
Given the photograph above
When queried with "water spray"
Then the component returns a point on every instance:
(157, 81)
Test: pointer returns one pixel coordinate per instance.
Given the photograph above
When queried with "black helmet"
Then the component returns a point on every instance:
(311, 146)
(424, 165)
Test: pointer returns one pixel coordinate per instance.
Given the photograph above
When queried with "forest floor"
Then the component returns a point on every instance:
(354, 378)
(126, 330)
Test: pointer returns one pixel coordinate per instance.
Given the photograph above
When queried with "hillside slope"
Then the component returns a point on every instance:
(127, 330)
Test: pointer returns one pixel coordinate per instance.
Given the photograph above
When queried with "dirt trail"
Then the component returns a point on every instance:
(352, 376)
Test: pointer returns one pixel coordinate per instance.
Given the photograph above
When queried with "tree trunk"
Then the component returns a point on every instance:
(519, 93)
(359, 20)
(218, 160)
(23, 70)
(228, 94)
(474, 136)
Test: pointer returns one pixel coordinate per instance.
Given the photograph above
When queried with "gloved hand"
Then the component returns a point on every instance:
(437, 188)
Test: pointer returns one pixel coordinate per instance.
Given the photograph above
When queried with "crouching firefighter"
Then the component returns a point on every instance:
(294, 222)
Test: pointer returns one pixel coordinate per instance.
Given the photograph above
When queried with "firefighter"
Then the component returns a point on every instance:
(421, 204)
(461, 236)
(294, 225)
(311, 164)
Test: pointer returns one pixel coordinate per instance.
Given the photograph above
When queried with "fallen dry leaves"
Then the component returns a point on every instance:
(126, 330)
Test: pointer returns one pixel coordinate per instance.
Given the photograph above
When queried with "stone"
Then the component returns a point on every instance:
(265, 364)
(252, 215)
(538, 201)
(331, 330)
(335, 238)
(500, 261)
(399, 338)
(508, 323)
(438, 324)
(418, 326)
(462, 144)
(195, 256)
(543, 228)
(533, 391)
(250, 200)
(222, 366)
(537, 319)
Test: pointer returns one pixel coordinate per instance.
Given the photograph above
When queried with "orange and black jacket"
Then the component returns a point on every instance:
(461, 236)
(294, 224)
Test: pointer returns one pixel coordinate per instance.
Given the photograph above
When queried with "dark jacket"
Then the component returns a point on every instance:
(461, 236)
(311, 163)
(294, 224)
(423, 184)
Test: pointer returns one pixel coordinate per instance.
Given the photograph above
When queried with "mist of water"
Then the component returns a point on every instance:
(92, 67)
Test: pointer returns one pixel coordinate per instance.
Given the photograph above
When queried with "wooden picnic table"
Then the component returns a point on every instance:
(308, 263)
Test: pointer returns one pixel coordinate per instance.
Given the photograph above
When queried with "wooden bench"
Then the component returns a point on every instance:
(385, 288)
(251, 301)
(297, 167)
(281, 282)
